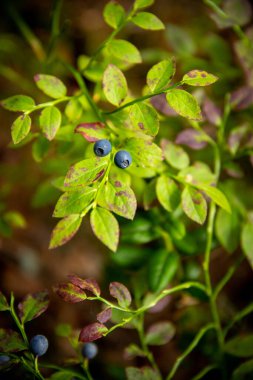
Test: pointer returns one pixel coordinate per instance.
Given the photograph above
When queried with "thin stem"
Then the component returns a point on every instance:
(204, 371)
(84, 89)
(48, 104)
(30, 37)
(19, 325)
(189, 349)
(141, 99)
(243, 313)
(227, 277)
(55, 29)
(85, 367)
(110, 38)
(144, 346)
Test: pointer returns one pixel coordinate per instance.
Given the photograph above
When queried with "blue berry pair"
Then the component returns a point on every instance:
(122, 158)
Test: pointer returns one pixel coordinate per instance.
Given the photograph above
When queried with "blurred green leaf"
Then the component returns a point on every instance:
(50, 121)
(114, 85)
(227, 229)
(18, 103)
(184, 104)
(175, 155)
(146, 20)
(160, 75)
(194, 204)
(241, 346)
(20, 128)
(144, 118)
(50, 85)
(114, 14)
(162, 267)
(168, 193)
(124, 51)
(247, 241)
(105, 227)
(160, 333)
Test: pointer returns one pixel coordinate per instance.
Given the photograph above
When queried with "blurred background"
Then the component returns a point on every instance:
(27, 196)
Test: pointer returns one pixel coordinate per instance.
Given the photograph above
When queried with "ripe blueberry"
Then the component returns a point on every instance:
(89, 350)
(122, 159)
(102, 148)
(4, 359)
(39, 345)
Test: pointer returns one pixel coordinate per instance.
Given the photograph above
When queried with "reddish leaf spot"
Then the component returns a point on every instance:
(92, 332)
(87, 284)
(104, 315)
(121, 293)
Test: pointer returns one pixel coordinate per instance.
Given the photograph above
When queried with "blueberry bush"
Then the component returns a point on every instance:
(163, 174)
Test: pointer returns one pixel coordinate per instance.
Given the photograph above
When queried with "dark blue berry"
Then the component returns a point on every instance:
(122, 159)
(39, 345)
(89, 350)
(102, 148)
(4, 359)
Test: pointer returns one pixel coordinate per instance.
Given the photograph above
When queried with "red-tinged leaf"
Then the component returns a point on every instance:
(242, 98)
(191, 138)
(92, 131)
(92, 332)
(64, 230)
(211, 112)
(104, 315)
(33, 305)
(3, 302)
(10, 341)
(121, 293)
(70, 293)
(88, 284)
(161, 105)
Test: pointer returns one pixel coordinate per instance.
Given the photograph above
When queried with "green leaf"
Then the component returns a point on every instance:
(227, 229)
(121, 293)
(197, 174)
(65, 230)
(241, 346)
(144, 118)
(146, 20)
(85, 172)
(10, 341)
(62, 375)
(3, 303)
(160, 75)
(144, 373)
(74, 110)
(124, 51)
(139, 4)
(114, 85)
(199, 78)
(105, 227)
(119, 199)
(50, 85)
(144, 152)
(149, 195)
(161, 269)
(18, 103)
(247, 241)
(168, 193)
(40, 148)
(114, 14)
(160, 333)
(217, 196)
(194, 204)
(243, 370)
(50, 121)
(74, 202)
(175, 155)
(184, 104)
(20, 128)
(33, 305)
(14, 219)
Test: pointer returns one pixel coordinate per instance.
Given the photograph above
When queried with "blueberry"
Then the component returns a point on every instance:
(89, 350)
(122, 159)
(4, 359)
(102, 148)
(39, 345)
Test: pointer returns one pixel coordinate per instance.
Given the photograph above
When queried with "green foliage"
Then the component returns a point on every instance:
(50, 85)
(114, 85)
